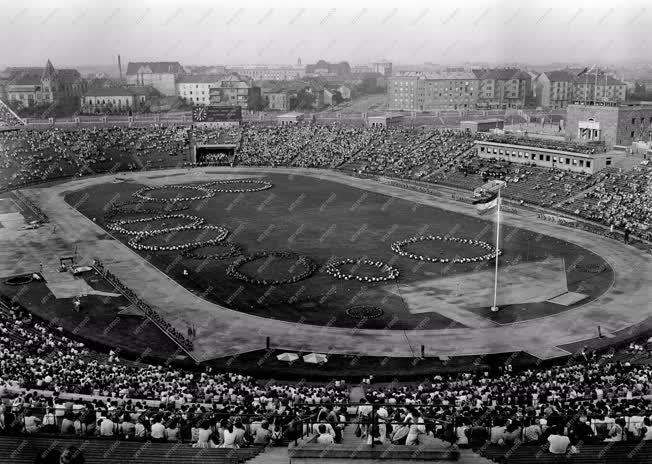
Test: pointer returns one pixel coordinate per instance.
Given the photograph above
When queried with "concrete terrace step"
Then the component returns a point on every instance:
(24, 449)
(272, 455)
(467, 456)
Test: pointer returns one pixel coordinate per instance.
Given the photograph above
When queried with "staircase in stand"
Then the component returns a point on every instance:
(271, 455)
(467, 456)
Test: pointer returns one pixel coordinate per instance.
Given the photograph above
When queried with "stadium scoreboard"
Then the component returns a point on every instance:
(207, 114)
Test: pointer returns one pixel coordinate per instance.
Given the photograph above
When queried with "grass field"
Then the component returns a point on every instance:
(326, 220)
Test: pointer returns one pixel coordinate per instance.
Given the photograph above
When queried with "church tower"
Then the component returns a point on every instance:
(49, 82)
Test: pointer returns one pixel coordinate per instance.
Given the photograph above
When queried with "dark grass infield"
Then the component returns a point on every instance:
(326, 220)
(97, 321)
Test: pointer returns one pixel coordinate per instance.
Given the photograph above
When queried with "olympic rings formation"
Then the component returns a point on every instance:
(233, 249)
(123, 208)
(332, 269)
(135, 242)
(309, 267)
(399, 247)
(118, 226)
(263, 185)
(206, 193)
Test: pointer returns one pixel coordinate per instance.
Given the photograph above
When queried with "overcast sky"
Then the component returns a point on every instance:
(406, 31)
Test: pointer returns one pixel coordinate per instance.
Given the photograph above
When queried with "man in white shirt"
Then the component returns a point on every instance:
(324, 437)
(107, 427)
(558, 443)
(158, 431)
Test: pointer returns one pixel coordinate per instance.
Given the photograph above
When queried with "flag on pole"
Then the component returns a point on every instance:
(487, 205)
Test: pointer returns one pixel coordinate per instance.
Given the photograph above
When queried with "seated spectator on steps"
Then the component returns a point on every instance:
(324, 437)
(559, 443)
(262, 434)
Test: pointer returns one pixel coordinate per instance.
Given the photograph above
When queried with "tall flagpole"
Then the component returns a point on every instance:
(595, 88)
(495, 307)
(586, 87)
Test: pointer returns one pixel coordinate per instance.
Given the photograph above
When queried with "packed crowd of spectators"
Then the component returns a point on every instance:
(41, 155)
(36, 356)
(439, 156)
(591, 400)
(333, 145)
(216, 135)
(525, 183)
(7, 118)
(622, 200)
(412, 153)
(233, 425)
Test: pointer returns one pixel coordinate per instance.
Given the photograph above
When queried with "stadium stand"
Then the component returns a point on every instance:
(622, 199)
(9, 119)
(53, 385)
(611, 197)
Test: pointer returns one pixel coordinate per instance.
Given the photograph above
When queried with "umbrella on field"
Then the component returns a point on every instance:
(289, 357)
(315, 358)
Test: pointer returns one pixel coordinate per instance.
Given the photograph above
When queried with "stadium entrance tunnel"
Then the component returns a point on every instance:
(213, 154)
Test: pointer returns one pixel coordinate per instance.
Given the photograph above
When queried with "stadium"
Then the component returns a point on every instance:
(182, 284)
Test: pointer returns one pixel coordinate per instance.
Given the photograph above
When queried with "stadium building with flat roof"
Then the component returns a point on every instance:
(547, 154)
(611, 123)
(482, 125)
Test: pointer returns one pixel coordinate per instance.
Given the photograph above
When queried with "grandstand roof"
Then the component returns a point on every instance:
(156, 67)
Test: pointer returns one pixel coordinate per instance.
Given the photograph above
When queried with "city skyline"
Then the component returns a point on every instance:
(451, 33)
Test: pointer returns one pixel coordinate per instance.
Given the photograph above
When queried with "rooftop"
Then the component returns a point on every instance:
(120, 91)
(156, 67)
(484, 120)
(199, 79)
(560, 76)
